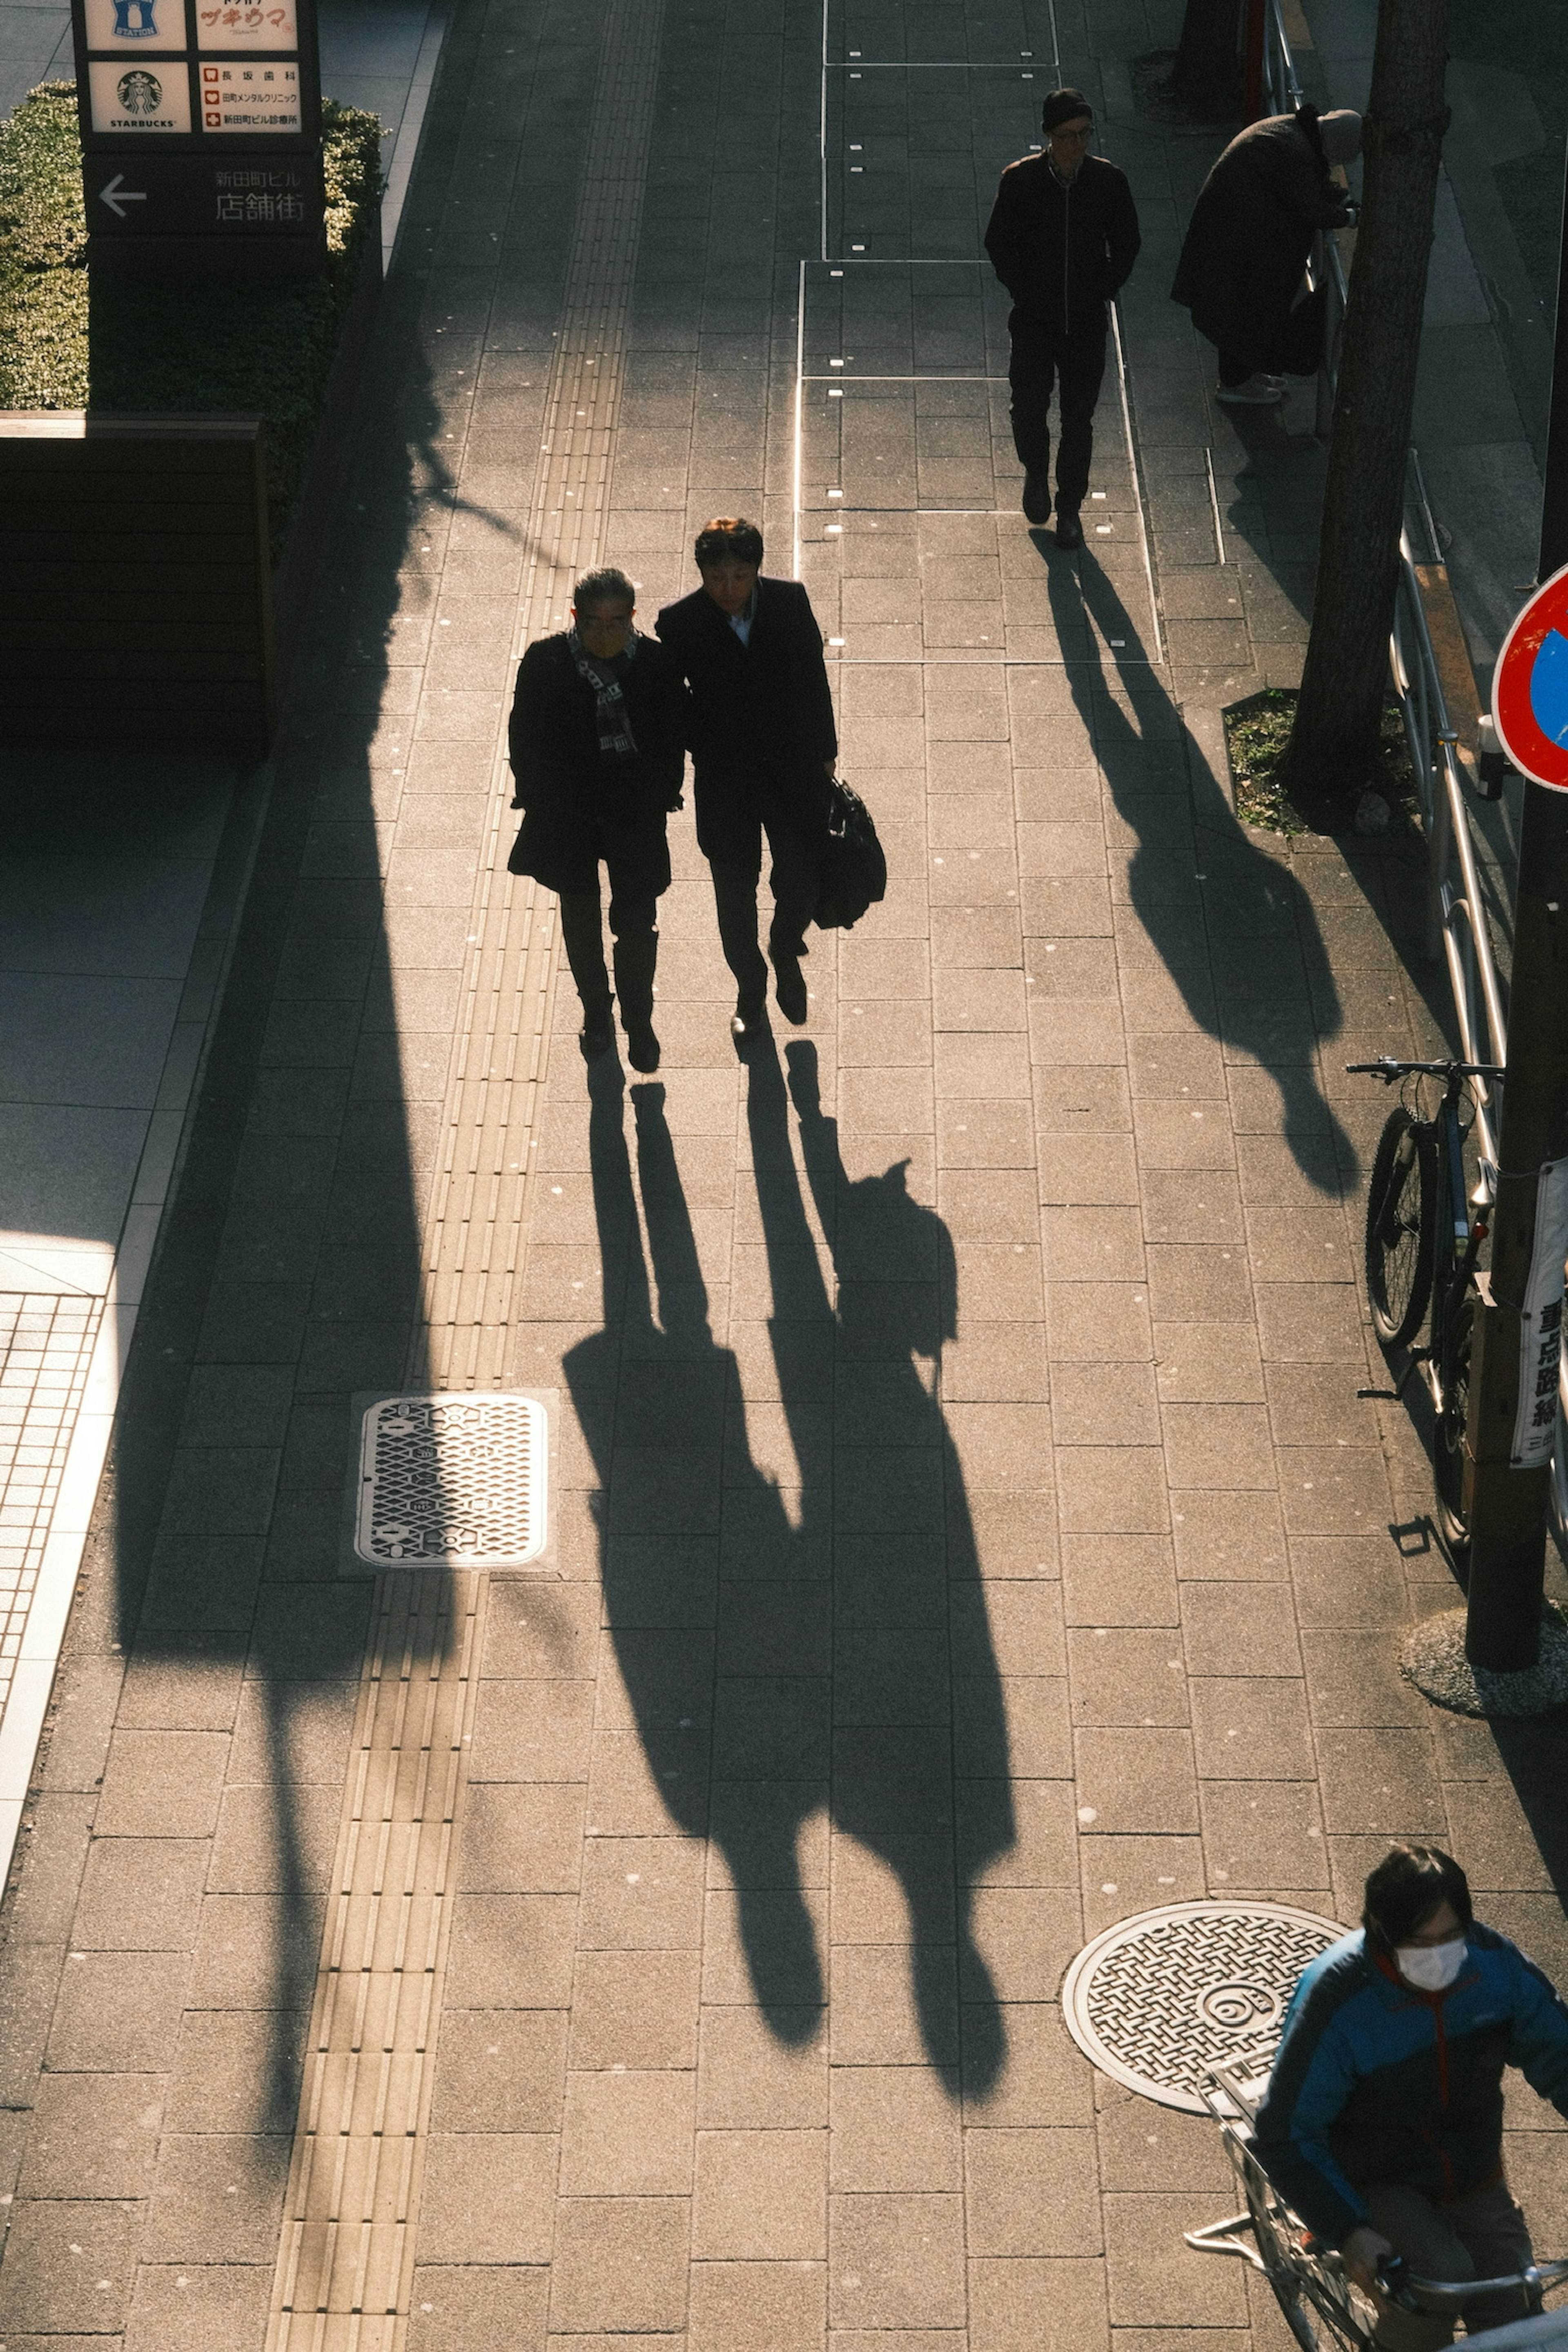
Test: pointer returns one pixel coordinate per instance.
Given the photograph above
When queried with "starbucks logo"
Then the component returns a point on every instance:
(140, 93)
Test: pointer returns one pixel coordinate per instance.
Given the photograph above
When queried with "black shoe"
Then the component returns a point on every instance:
(642, 1048)
(597, 1033)
(1069, 530)
(1037, 499)
(746, 1019)
(789, 987)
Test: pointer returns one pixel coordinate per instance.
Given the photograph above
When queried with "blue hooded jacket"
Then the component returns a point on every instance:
(1376, 2082)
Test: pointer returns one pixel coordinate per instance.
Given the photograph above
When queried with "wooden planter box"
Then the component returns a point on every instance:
(135, 584)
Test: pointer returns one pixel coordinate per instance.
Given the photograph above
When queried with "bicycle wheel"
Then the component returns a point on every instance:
(1455, 1341)
(1289, 2271)
(1402, 1227)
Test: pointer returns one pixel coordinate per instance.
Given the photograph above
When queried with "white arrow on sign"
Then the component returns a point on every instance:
(117, 195)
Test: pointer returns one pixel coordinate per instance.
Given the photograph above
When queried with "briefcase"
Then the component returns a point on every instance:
(852, 868)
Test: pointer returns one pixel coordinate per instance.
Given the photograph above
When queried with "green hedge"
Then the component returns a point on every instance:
(132, 346)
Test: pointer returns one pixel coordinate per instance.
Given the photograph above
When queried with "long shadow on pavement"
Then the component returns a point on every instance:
(834, 1686)
(289, 1274)
(1238, 934)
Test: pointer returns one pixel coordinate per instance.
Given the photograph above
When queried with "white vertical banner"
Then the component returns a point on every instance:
(1540, 1324)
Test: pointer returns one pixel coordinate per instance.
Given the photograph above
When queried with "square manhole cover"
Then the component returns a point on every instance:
(453, 1481)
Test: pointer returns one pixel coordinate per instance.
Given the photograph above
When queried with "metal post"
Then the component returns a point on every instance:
(1554, 502)
(1507, 1505)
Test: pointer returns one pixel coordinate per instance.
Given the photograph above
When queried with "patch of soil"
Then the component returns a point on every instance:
(1255, 734)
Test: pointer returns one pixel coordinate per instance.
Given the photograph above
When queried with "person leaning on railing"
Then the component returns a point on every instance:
(1382, 2126)
(1246, 251)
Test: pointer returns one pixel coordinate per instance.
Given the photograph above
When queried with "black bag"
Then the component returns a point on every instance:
(852, 870)
(1300, 349)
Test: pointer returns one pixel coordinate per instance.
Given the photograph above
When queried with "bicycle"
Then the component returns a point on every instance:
(1324, 2309)
(1423, 1246)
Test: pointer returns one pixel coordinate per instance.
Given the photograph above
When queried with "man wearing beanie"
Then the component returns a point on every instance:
(1246, 246)
(1063, 237)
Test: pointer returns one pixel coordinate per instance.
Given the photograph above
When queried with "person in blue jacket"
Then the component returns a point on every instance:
(1382, 2126)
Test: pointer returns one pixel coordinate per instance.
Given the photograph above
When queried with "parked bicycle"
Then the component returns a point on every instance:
(1423, 1235)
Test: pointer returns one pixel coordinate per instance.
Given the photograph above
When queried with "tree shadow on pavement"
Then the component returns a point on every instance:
(813, 1671)
(1234, 927)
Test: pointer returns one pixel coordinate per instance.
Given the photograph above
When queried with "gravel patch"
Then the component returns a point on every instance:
(1433, 1658)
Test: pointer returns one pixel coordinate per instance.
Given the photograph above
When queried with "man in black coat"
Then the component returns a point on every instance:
(598, 749)
(1246, 246)
(764, 746)
(1063, 237)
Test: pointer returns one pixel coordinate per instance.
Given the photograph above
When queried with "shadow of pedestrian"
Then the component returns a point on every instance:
(1233, 925)
(782, 1663)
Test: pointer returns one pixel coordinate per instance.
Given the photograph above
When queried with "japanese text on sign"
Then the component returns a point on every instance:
(250, 98)
(268, 24)
(1540, 1324)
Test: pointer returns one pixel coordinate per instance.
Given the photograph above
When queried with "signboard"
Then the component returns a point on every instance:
(139, 102)
(249, 97)
(201, 130)
(1540, 1325)
(149, 194)
(1530, 687)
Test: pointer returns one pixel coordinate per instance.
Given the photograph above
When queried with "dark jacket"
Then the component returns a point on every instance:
(1062, 252)
(582, 805)
(761, 713)
(1252, 232)
(1377, 2083)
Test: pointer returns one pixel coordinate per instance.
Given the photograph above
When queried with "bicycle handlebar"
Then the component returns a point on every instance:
(1402, 2286)
(1386, 1069)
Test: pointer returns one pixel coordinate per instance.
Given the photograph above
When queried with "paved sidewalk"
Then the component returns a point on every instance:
(968, 1531)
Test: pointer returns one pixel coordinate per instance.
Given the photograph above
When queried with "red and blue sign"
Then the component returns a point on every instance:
(1530, 687)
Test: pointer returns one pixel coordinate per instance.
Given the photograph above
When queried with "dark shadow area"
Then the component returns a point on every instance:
(833, 1659)
(1237, 935)
(289, 1270)
(1250, 922)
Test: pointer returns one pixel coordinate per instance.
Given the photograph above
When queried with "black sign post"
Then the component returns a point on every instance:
(201, 136)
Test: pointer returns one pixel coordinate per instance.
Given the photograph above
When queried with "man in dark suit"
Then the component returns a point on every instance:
(1063, 237)
(764, 746)
(598, 752)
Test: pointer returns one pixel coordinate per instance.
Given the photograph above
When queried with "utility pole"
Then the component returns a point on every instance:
(1554, 500)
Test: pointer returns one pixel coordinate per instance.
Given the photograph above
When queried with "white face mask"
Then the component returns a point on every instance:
(1431, 1967)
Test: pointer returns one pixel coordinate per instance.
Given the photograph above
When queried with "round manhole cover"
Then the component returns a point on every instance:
(1161, 1996)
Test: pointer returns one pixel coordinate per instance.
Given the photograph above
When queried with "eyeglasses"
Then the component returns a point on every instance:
(1073, 138)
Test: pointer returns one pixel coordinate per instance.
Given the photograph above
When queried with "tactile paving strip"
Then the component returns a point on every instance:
(474, 1235)
(46, 1349)
(1161, 1996)
(346, 2261)
(457, 1481)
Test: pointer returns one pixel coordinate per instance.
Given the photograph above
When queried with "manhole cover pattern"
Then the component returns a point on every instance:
(453, 1481)
(1161, 1996)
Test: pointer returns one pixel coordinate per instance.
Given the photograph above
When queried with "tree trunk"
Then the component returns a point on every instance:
(1206, 74)
(1332, 754)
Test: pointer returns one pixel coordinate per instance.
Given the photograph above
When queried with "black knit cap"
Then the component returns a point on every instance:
(1064, 106)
